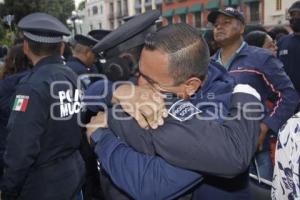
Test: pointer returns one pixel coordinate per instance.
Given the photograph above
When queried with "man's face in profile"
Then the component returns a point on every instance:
(154, 71)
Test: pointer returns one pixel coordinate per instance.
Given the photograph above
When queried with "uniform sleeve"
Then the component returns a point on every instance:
(221, 149)
(141, 176)
(27, 123)
(287, 98)
(98, 95)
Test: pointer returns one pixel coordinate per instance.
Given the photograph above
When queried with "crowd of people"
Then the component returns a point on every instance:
(151, 112)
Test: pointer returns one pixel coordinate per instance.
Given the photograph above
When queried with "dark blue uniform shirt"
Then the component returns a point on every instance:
(80, 69)
(42, 158)
(288, 53)
(7, 89)
(214, 150)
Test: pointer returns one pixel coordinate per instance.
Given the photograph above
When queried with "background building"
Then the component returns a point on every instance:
(276, 12)
(92, 16)
(109, 14)
(194, 12)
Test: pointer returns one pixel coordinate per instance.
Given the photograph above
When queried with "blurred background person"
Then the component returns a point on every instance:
(289, 47)
(83, 58)
(250, 28)
(15, 67)
(261, 39)
(278, 32)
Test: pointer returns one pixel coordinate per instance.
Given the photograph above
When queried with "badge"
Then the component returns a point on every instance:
(183, 110)
(21, 103)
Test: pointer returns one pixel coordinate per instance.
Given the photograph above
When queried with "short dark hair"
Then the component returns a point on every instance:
(44, 49)
(187, 50)
(256, 38)
(251, 28)
(277, 32)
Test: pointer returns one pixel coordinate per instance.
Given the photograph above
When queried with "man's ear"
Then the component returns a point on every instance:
(242, 28)
(62, 48)
(25, 47)
(192, 85)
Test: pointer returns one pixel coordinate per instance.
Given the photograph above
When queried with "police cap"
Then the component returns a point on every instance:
(295, 7)
(229, 11)
(85, 40)
(98, 34)
(43, 28)
(129, 35)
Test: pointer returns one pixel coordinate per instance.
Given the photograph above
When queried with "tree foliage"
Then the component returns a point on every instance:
(61, 9)
(81, 6)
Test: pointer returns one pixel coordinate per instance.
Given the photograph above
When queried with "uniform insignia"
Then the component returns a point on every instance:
(183, 110)
(69, 104)
(283, 52)
(21, 103)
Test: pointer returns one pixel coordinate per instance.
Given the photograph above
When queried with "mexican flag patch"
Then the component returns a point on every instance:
(21, 103)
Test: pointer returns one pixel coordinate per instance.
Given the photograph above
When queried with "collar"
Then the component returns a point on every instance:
(241, 51)
(75, 59)
(55, 59)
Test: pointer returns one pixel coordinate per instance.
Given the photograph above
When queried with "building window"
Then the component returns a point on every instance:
(100, 26)
(278, 4)
(197, 18)
(148, 8)
(119, 8)
(159, 7)
(182, 18)
(119, 23)
(170, 20)
(111, 7)
(138, 10)
(91, 27)
(101, 9)
(254, 11)
(95, 10)
(111, 25)
(125, 11)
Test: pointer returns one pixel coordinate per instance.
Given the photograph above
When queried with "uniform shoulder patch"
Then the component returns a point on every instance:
(21, 103)
(183, 110)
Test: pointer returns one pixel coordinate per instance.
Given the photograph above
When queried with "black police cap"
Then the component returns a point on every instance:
(98, 34)
(295, 7)
(132, 32)
(229, 11)
(85, 41)
(43, 28)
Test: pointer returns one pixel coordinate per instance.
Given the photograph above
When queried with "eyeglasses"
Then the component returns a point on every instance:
(154, 84)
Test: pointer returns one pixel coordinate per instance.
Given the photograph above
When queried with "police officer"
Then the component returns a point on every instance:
(42, 158)
(289, 46)
(16, 66)
(83, 57)
(184, 140)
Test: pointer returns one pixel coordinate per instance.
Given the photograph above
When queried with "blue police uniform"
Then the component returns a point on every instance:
(188, 148)
(150, 177)
(42, 158)
(77, 65)
(288, 53)
(7, 89)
